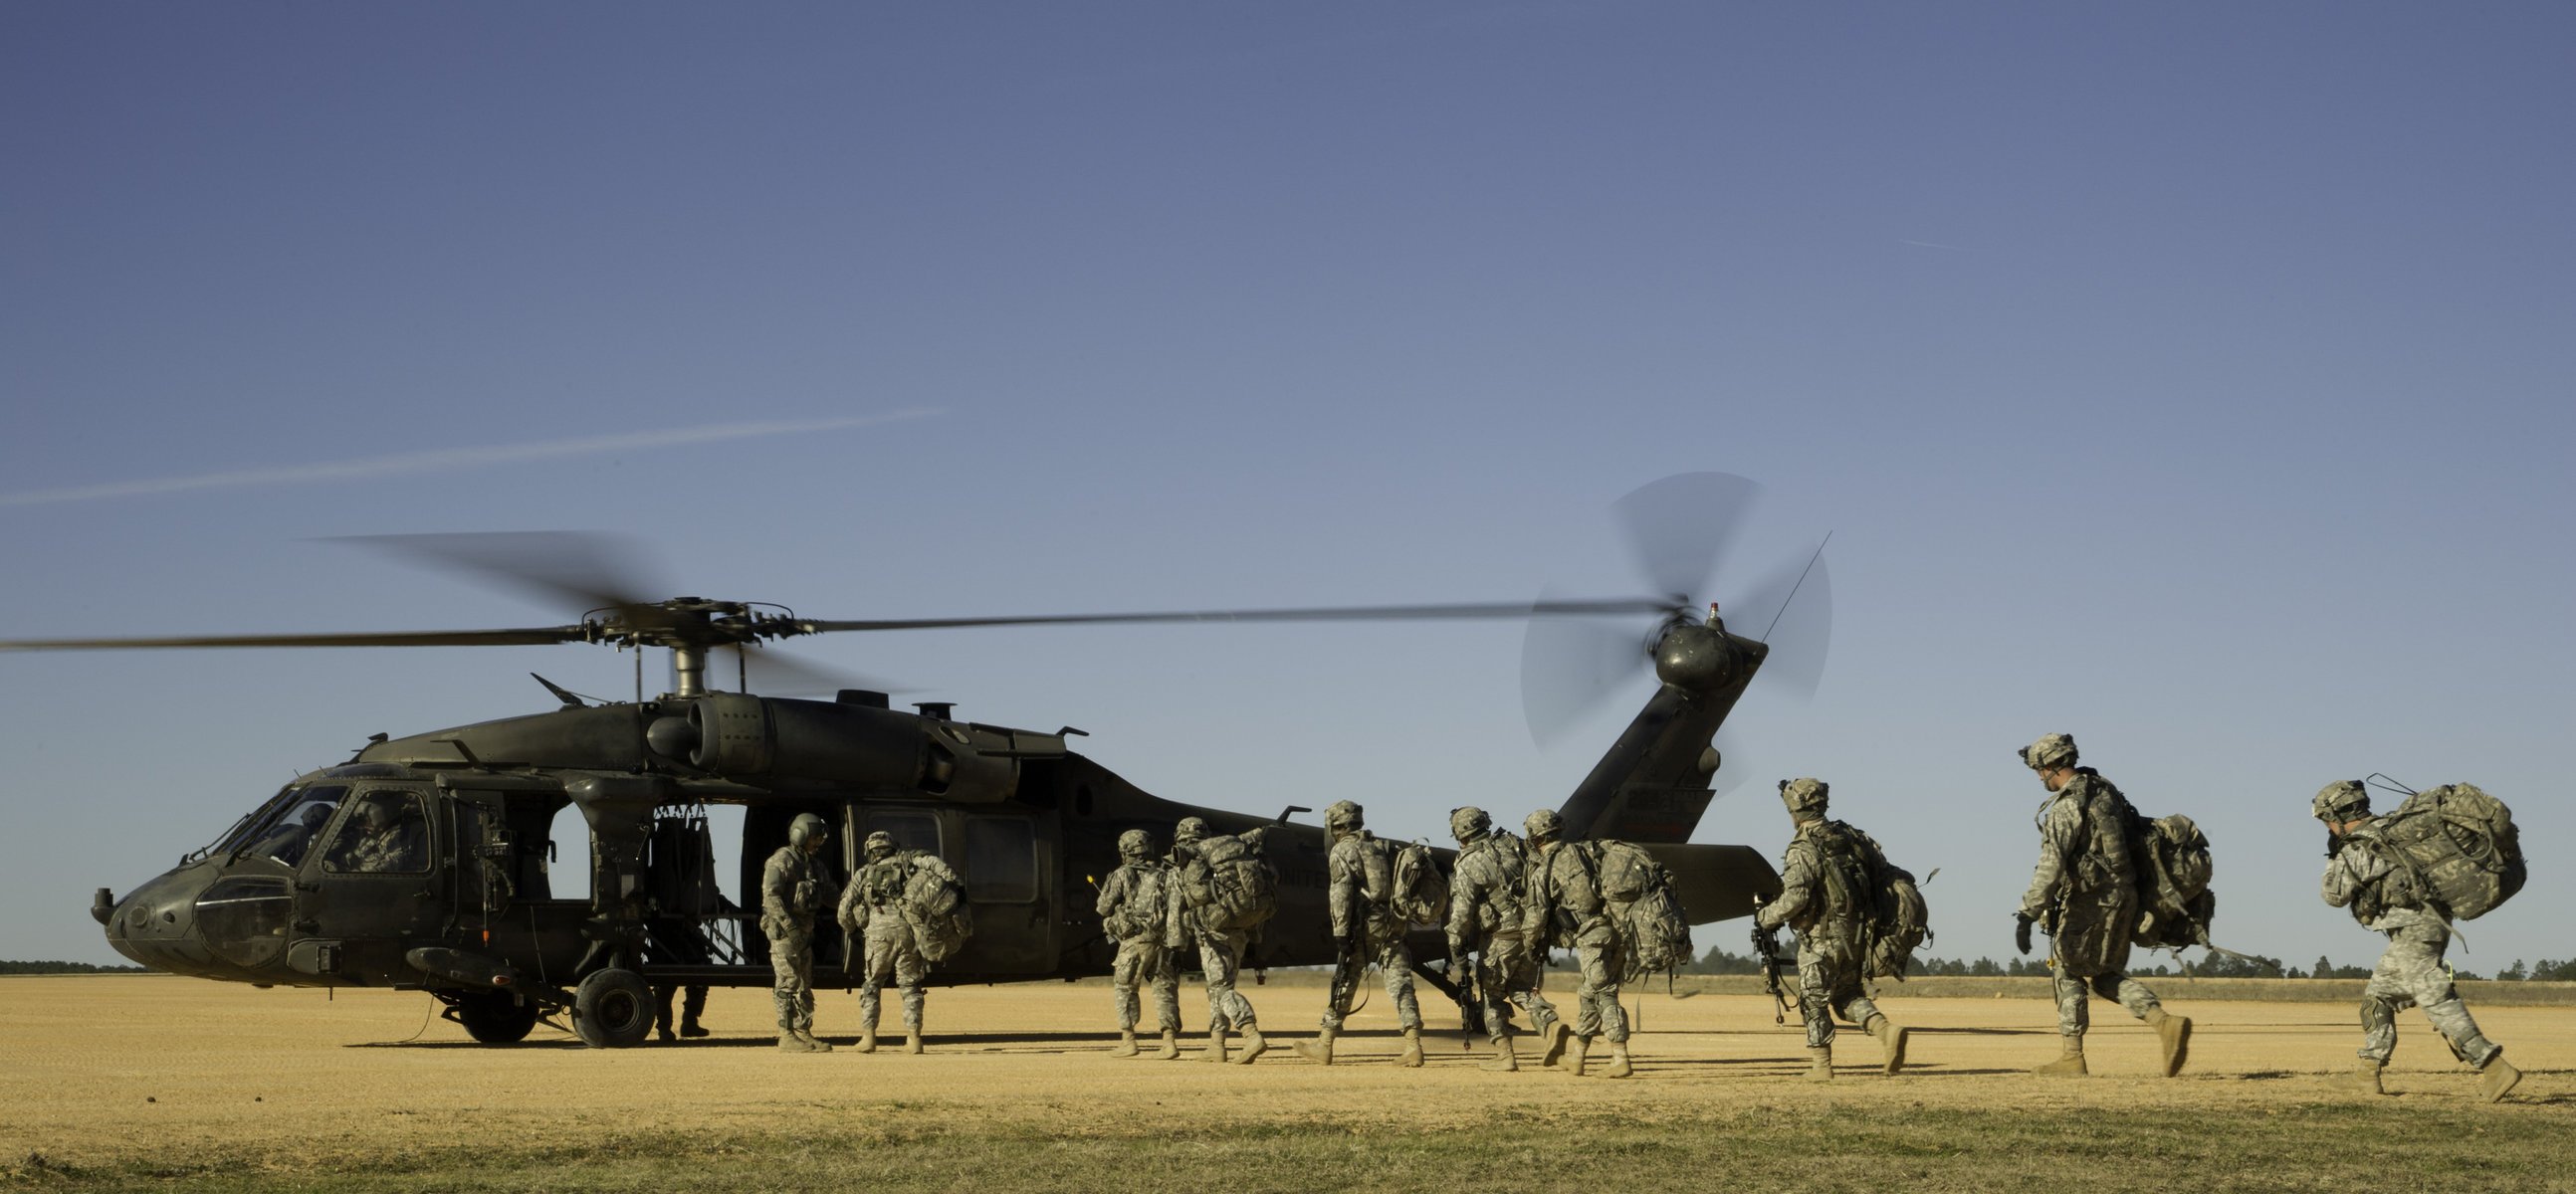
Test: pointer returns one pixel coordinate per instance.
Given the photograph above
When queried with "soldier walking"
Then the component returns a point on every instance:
(793, 887)
(2411, 973)
(1220, 959)
(1565, 910)
(1824, 901)
(876, 907)
(2084, 895)
(1359, 884)
(1136, 910)
(1487, 918)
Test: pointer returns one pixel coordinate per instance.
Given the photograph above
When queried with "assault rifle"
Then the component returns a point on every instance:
(1350, 963)
(1766, 946)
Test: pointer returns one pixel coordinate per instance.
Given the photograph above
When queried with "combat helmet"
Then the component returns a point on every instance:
(1543, 826)
(1135, 844)
(2340, 801)
(1468, 822)
(1805, 797)
(1189, 830)
(2052, 750)
(1342, 817)
(878, 845)
(805, 828)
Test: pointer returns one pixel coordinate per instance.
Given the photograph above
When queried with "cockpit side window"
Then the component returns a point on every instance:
(385, 833)
(289, 831)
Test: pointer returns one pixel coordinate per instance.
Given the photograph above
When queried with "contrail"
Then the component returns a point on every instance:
(453, 459)
(1925, 244)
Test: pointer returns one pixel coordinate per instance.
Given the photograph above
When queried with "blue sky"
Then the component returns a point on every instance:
(2194, 379)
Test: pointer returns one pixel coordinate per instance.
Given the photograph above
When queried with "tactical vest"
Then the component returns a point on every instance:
(1843, 868)
(880, 883)
(1500, 906)
(2105, 863)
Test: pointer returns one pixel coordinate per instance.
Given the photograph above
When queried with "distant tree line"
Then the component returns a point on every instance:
(64, 968)
(1719, 961)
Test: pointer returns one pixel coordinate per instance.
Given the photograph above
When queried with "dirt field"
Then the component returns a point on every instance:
(119, 1080)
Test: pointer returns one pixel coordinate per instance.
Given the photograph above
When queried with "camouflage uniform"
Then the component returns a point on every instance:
(2411, 973)
(1136, 907)
(876, 905)
(1488, 919)
(1359, 886)
(1831, 967)
(1220, 960)
(2084, 894)
(1565, 910)
(793, 887)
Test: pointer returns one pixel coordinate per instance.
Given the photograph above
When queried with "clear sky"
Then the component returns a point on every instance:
(2193, 378)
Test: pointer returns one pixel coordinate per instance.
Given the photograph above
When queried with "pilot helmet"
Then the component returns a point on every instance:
(805, 828)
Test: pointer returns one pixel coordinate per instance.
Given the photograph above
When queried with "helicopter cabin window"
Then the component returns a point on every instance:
(911, 829)
(1001, 860)
(385, 833)
(292, 826)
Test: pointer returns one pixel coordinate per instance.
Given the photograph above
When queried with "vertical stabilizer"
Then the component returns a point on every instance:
(1653, 783)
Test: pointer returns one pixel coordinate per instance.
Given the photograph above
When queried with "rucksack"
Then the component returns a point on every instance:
(934, 904)
(1143, 909)
(2460, 847)
(2175, 902)
(1421, 892)
(1637, 897)
(1881, 898)
(1230, 884)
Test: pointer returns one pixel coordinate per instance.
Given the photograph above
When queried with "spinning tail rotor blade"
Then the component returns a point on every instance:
(1792, 609)
(1569, 666)
(1680, 528)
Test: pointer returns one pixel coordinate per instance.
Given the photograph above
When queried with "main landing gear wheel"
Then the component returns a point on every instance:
(493, 1017)
(612, 1009)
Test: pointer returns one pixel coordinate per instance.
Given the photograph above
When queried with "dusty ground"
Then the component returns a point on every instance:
(188, 1079)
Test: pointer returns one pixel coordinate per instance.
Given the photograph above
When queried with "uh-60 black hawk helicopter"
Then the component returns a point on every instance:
(422, 862)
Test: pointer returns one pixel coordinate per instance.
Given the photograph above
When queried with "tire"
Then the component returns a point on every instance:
(612, 1009)
(494, 1018)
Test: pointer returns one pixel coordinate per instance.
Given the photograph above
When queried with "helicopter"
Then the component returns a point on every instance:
(425, 862)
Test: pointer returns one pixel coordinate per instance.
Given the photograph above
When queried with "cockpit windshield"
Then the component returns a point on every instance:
(287, 828)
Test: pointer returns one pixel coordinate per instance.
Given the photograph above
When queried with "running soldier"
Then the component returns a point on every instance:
(793, 887)
(1360, 886)
(1565, 910)
(2084, 895)
(876, 907)
(2411, 973)
(1487, 918)
(1820, 899)
(1136, 910)
(1220, 959)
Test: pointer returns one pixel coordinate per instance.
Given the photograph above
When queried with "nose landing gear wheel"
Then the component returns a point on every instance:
(612, 1009)
(492, 1017)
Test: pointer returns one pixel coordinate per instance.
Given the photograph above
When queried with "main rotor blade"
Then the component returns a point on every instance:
(776, 673)
(1346, 613)
(1680, 527)
(534, 636)
(581, 570)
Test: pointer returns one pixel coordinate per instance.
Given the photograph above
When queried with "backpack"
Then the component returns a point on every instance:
(934, 904)
(1881, 899)
(2172, 857)
(1421, 892)
(1231, 885)
(1143, 909)
(1637, 897)
(2460, 847)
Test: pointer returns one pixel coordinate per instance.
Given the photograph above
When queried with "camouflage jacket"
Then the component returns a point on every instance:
(1808, 900)
(1564, 907)
(2083, 847)
(1135, 905)
(2360, 877)
(793, 887)
(880, 887)
(1359, 880)
(1488, 890)
(396, 849)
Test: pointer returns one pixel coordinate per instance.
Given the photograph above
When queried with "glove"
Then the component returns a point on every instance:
(2021, 933)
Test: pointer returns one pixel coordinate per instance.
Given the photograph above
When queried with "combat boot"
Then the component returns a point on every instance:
(1254, 1045)
(2174, 1033)
(1318, 1050)
(2366, 1079)
(1618, 1061)
(1891, 1041)
(1504, 1061)
(868, 1039)
(1557, 1035)
(912, 1041)
(789, 1042)
(1215, 1046)
(1126, 1044)
(663, 1033)
(1820, 1063)
(2496, 1077)
(2070, 1059)
(1574, 1055)
(1411, 1058)
(691, 1028)
(1171, 1045)
(812, 1045)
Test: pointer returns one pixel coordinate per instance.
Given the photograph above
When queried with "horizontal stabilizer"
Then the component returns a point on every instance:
(1716, 882)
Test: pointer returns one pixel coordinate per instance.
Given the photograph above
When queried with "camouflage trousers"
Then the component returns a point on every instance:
(1395, 963)
(2413, 974)
(791, 961)
(1146, 962)
(1829, 985)
(891, 951)
(1596, 998)
(1507, 978)
(1221, 958)
(2074, 1015)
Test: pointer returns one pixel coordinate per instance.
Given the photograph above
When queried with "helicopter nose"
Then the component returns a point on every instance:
(155, 924)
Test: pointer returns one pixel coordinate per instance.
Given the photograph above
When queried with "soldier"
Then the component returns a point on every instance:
(875, 906)
(1487, 917)
(793, 887)
(1136, 910)
(1565, 909)
(389, 838)
(2084, 895)
(2412, 972)
(1360, 886)
(1221, 960)
(1826, 913)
